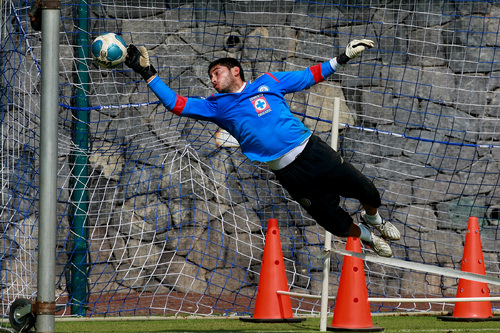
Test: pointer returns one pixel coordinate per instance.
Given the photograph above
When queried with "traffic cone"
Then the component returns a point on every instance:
(352, 309)
(271, 307)
(473, 262)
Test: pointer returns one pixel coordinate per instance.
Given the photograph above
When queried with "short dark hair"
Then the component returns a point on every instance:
(229, 63)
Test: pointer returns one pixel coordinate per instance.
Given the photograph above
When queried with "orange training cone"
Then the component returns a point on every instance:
(271, 307)
(473, 262)
(352, 310)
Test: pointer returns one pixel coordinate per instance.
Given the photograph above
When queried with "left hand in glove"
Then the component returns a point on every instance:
(353, 49)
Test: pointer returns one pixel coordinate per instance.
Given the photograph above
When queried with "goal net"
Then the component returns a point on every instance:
(173, 222)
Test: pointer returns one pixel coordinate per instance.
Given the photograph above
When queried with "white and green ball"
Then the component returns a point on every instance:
(109, 50)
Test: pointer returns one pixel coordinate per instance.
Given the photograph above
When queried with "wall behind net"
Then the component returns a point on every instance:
(176, 224)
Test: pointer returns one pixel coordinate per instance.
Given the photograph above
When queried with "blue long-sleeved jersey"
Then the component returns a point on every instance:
(258, 117)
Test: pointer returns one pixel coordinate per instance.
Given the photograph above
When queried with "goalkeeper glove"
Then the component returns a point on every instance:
(354, 48)
(138, 60)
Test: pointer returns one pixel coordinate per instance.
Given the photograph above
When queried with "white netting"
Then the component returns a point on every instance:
(174, 223)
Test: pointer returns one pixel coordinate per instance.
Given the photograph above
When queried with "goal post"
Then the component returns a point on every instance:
(45, 306)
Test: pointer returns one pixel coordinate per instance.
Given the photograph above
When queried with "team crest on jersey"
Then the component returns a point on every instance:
(263, 88)
(260, 104)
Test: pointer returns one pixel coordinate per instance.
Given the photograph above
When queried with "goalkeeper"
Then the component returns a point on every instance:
(256, 114)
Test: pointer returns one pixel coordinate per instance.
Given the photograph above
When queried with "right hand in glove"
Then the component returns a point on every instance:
(353, 49)
(138, 60)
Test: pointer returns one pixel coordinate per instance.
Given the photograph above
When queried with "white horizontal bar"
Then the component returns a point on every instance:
(402, 300)
(420, 267)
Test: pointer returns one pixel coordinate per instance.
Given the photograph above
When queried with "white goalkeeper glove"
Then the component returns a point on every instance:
(353, 49)
(138, 60)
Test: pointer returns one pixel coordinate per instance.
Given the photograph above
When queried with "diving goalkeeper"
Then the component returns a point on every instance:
(257, 115)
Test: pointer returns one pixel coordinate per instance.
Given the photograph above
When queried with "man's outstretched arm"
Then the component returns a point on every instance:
(138, 60)
(296, 80)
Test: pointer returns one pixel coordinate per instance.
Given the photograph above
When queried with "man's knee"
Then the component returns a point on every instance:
(339, 223)
(372, 196)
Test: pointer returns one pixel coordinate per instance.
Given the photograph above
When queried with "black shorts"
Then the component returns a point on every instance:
(318, 177)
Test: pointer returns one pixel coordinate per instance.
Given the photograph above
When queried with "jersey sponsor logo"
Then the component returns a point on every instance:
(260, 104)
(263, 88)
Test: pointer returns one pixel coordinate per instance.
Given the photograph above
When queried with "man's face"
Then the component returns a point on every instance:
(224, 79)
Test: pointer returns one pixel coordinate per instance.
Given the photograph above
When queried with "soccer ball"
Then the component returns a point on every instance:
(109, 50)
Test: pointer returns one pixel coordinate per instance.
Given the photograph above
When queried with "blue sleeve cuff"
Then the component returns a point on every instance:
(166, 95)
(329, 67)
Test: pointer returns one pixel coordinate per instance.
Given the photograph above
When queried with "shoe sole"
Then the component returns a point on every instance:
(380, 252)
(387, 223)
(388, 236)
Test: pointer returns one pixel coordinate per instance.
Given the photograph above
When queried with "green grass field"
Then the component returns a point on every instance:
(391, 324)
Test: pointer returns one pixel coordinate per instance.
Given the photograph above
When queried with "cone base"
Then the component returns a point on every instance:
(272, 320)
(465, 319)
(363, 329)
